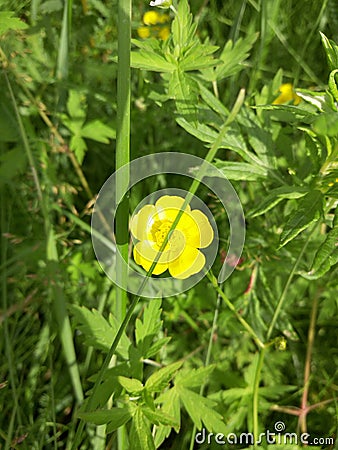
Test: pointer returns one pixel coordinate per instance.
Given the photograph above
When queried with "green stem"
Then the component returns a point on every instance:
(243, 322)
(307, 367)
(207, 359)
(122, 151)
(122, 158)
(255, 396)
(287, 285)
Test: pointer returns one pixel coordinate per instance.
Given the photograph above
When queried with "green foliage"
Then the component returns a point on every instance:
(8, 22)
(182, 364)
(75, 122)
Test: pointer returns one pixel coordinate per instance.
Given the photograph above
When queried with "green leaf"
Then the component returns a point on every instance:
(326, 256)
(114, 417)
(7, 22)
(79, 147)
(212, 101)
(151, 323)
(160, 379)
(198, 57)
(140, 435)
(156, 347)
(182, 28)
(131, 385)
(260, 139)
(276, 196)
(201, 410)
(76, 105)
(170, 405)
(147, 60)
(159, 417)
(194, 377)
(233, 139)
(98, 131)
(331, 50)
(309, 210)
(96, 330)
(240, 171)
(184, 90)
(232, 57)
(326, 124)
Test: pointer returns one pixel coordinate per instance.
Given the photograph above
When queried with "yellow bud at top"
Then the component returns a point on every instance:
(151, 18)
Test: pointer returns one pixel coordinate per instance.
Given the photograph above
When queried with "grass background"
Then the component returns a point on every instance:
(47, 195)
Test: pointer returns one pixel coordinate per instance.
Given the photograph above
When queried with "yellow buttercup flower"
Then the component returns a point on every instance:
(286, 95)
(156, 25)
(151, 18)
(181, 256)
(143, 32)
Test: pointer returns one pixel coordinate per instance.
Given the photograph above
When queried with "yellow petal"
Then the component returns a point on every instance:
(151, 18)
(143, 32)
(206, 231)
(286, 95)
(141, 223)
(190, 262)
(145, 254)
(164, 33)
(196, 228)
(169, 206)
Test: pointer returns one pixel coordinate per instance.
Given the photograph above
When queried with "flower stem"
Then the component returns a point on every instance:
(122, 151)
(243, 322)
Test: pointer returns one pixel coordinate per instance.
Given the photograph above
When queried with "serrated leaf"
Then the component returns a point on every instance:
(8, 22)
(159, 417)
(182, 27)
(170, 401)
(212, 101)
(147, 60)
(151, 321)
(240, 171)
(331, 50)
(194, 377)
(259, 139)
(202, 410)
(326, 256)
(160, 379)
(114, 417)
(98, 131)
(76, 105)
(184, 90)
(131, 385)
(96, 330)
(233, 139)
(140, 434)
(232, 57)
(156, 347)
(276, 196)
(308, 211)
(79, 147)
(198, 57)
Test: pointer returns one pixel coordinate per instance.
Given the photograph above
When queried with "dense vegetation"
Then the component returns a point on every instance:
(252, 87)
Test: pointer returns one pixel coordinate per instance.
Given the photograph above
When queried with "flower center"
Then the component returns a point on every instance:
(176, 241)
(160, 231)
